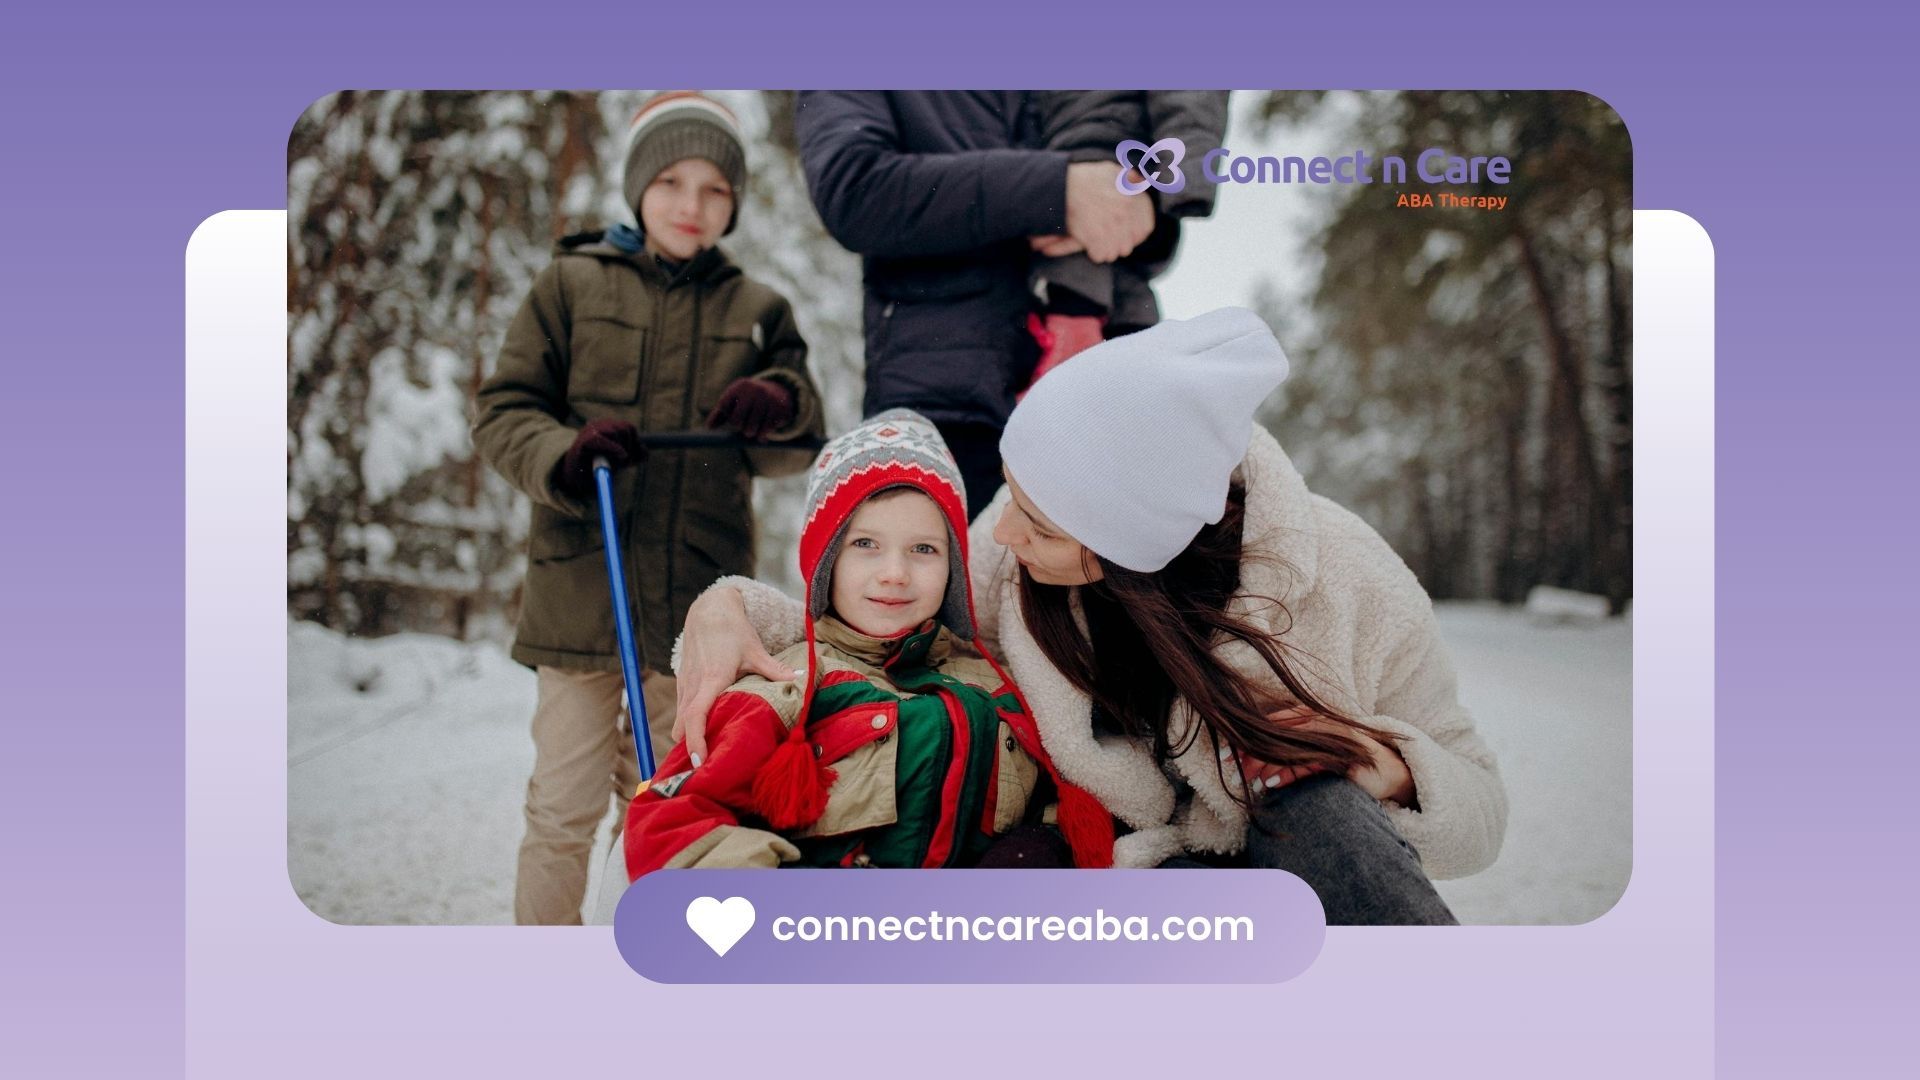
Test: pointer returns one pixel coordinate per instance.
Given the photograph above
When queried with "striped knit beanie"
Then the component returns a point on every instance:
(898, 448)
(679, 125)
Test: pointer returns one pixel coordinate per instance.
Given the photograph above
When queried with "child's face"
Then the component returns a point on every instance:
(685, 209)
(891, 574)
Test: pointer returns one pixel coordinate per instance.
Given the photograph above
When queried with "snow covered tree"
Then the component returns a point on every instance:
(416, 223)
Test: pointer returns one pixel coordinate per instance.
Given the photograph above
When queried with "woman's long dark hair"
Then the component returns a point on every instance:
(1151, 637)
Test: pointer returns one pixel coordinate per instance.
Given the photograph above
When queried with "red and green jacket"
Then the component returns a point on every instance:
(927, 750)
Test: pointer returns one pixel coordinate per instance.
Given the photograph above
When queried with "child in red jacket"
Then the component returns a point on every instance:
(906, 745)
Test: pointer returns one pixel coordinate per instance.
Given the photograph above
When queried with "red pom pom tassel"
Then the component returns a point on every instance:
(790, 789)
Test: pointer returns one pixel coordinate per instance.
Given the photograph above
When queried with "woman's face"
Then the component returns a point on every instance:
(1049, 554)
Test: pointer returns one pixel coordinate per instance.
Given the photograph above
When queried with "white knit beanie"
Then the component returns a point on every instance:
(1130, 445)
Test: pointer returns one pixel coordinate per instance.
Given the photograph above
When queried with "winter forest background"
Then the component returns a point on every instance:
(1462, 379)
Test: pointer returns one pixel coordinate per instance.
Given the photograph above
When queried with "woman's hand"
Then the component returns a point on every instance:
(717, 647)
(1386, 778)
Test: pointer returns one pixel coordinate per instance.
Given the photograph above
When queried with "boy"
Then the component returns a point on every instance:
(627, 331)
(905, 745)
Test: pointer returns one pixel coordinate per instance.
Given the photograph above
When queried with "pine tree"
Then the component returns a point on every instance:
(417, 221)
(1467, 383)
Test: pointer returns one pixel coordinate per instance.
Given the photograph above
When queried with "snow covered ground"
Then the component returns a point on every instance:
(408, 758)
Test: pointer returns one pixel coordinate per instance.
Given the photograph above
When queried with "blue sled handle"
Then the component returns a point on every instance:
(623, 620)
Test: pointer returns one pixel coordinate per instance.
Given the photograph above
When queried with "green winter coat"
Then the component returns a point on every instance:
(608, 334)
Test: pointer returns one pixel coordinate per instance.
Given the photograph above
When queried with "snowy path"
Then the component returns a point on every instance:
(1556, 705)
(409, 757)
(415, 819)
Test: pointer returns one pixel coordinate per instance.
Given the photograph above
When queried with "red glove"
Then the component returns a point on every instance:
(615, 440)
(1061, 337)
(753, 407)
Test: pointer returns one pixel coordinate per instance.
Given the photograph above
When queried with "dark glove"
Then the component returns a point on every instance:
(615, 440)
(753, 407)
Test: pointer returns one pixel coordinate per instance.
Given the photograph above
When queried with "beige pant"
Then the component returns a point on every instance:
(583, 752)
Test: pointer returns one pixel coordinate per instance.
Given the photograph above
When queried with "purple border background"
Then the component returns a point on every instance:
(1782, 138)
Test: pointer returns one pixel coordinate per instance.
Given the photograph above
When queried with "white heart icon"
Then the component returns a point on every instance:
(721, 924)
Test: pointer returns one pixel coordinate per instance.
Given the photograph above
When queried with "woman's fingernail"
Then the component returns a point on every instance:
(1273, 781)
(799, 673)
(696, 759)
(1226, 752)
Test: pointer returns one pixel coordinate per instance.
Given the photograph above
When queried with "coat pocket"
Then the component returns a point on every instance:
(552, 535)
(723, 549)
(608, 360)
(862, 796)
(1019, 774)
(734, 352)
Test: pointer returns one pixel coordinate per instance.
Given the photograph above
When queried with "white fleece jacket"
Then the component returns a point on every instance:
(1362, 636)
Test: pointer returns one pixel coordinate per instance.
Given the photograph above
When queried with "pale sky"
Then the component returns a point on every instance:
(1256, 231)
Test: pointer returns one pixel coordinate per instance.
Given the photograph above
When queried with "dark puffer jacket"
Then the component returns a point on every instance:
(939, 190)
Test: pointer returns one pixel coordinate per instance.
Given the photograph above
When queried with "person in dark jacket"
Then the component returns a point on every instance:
(651, 329)
(1082, 301)
(942, 193)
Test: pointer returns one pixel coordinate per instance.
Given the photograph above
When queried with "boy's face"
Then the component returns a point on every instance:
(685, 209)
(891, 574)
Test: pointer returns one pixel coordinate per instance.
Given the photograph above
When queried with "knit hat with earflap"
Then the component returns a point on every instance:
(898, 448)
(679, 125)
(1130, 446)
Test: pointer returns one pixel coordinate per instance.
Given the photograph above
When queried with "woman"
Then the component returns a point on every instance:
(1233, 666)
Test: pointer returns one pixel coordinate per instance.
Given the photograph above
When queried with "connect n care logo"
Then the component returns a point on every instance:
(1137, 157)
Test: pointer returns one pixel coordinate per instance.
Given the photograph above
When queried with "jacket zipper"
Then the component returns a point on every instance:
(649, 348)
(677, 525)
(680, 460)
(877, 342)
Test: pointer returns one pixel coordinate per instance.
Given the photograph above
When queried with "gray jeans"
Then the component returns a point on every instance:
(1337, 839)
